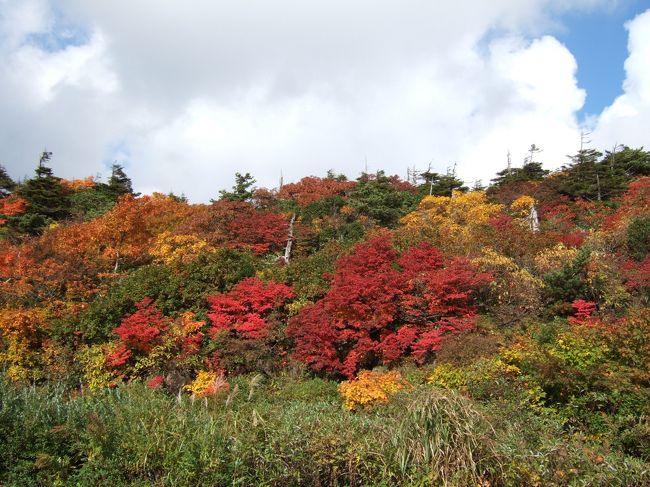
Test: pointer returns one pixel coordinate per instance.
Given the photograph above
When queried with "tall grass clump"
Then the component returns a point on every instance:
(443, 440)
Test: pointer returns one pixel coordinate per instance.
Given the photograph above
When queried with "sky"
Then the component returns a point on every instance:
(184, 96)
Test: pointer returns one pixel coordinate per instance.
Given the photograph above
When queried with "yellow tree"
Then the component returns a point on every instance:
(455, 224)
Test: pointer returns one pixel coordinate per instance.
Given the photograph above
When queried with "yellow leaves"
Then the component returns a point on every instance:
(492, 260)
(482, 371)
(370, 388)
(207, 383)
(555, 258)
(452, 223)
(19, 360)
(295, 306)
(511, 285)
(19, 333)
(172, 249)
(578, 351)
(462, 209)
(93, 362)
(521, 206)
(447, 376)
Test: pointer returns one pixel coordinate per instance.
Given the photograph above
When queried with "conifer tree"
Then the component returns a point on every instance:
(530, 171)
(7, 185)
(119, 183)
(46, 199)
(241, 191)
(376, 196)
(435, 184)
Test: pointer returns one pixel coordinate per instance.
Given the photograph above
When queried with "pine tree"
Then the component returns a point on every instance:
(440, 185)
(46, 199)
(376, 196)
(7, 185)
(241, 191)
(530, 171)
(119, 183)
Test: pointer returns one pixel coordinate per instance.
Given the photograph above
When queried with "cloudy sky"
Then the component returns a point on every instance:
(184, 94)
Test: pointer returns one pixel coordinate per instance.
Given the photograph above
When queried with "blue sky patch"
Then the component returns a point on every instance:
(598, 41)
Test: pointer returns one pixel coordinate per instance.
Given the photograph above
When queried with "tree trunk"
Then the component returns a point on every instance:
(287, 249)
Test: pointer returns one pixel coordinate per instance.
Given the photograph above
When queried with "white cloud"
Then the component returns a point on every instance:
(193, 94)
(627, 119)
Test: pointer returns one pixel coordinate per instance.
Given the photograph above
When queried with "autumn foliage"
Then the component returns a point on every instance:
(245, 322)
(370, 388)
(140, 330)
(383, 307)
(311, 189)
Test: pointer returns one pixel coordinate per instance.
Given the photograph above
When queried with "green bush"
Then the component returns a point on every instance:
(638, 237)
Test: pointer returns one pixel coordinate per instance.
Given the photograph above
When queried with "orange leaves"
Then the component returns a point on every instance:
(124, 234)
(311, 189)
(21, 323)
(77, 184)
(11, 206)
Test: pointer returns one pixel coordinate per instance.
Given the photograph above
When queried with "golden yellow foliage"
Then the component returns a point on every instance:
(19, 332)
(522, 205)
(447, 376)
(207, 383)
(189, 324)
(170, 249)
(452, 223)
(370, 388)
(483, 371)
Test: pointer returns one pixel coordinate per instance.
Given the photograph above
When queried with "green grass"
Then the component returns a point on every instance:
(291, 431)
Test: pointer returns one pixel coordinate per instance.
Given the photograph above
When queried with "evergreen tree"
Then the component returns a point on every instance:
(89, 203)
(119, 183)
(377, 197)
(7, 185)
(530, 171)
(627, 162)
(241, 191)
(583, 176)
(638, 238)
(440, 185)
(46, 199)
(593, 178)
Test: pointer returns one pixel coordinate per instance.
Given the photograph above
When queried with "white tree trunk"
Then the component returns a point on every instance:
(533, 219)
(287, 249)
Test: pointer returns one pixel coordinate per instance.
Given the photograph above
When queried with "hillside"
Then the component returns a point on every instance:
(330, 332)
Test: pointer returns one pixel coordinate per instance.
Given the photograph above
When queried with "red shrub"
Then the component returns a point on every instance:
(155, 382)
(382, 307)
(244, 309)
(637, 274)
(140, 330)
(583, 312)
